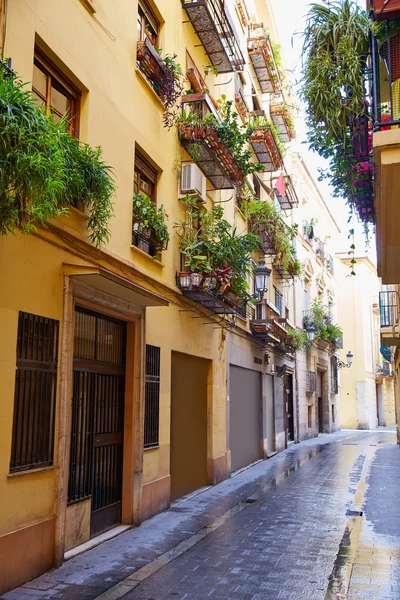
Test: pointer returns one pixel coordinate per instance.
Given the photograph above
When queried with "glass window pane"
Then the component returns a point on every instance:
(59, 101)
(39, 100)
(39, 81)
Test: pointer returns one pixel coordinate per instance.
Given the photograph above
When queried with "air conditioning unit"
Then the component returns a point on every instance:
(193, 182)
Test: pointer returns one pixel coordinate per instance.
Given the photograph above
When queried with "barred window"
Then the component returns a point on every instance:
(334, 375)
(152, 397)
(35, 393)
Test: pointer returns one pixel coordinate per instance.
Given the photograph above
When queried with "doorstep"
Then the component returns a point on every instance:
(96, 541)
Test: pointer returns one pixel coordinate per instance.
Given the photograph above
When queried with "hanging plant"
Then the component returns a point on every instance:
(44, 170)
(325, 329)
(173, 90)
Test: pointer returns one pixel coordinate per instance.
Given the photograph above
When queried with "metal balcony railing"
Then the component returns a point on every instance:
(388, 308)
(385, 62)
(216, 31)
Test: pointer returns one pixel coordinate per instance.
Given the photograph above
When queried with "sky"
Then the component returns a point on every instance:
(290, 20)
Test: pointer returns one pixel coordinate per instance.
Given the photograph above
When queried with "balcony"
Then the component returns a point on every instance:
(241, 105)
(282, 120)
(210, 295)
(270, 328)
(286, 274)
(386, 145)
(289, 199)
(151, 65)
(203, 143)
(319, 248)
(266, 234)
(266, 148)
(389, 316)
(213, 25)
(264, 64)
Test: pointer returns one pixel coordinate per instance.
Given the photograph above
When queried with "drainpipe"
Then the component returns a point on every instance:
(296, 376)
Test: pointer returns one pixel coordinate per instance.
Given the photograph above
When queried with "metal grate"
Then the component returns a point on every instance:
(35, 393)
(152, 396)
(334, 375)
(388, 308)
(311, 381)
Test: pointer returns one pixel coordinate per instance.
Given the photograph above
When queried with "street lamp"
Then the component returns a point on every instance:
(262, 273)
(311, 329)
(349, 357)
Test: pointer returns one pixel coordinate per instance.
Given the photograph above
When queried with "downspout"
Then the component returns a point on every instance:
(296, 377)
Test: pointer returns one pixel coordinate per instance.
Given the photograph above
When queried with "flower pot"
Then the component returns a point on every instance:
(185, 282)
(186, 131)
(144, 245)
(195, 279)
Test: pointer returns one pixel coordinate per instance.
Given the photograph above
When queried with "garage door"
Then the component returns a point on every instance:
(245, 416)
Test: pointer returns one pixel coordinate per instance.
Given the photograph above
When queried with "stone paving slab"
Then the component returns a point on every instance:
(281, 546)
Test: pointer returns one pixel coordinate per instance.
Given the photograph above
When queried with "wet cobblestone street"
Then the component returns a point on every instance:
(317, 522)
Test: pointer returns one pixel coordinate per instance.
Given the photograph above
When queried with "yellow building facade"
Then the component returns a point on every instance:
(122, 389)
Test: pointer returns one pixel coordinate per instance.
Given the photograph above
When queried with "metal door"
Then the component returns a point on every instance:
(97, 417)
(245, 416)
(289, 406)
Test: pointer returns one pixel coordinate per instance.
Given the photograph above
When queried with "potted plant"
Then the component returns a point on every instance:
(149, 222)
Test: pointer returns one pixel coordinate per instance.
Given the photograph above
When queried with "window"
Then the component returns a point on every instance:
(278, 300)
(147, 24)
(152, 396)
(55, 93)
(145, 178)
(334, 375)
(310, 411)
(35, 393)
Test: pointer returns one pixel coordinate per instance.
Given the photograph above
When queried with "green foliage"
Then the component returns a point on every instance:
(326, 330)
(44, 170)
(148, 216)
(264, 213)
(209, 242)
(235, 136)
(299, 340)
(260, 121)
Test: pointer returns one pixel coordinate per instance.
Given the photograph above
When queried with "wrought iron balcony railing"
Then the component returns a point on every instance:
(388, 308)
(216, 31)
(385, 62)
(207, 291)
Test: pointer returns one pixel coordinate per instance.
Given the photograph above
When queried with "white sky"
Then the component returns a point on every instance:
(290, 19)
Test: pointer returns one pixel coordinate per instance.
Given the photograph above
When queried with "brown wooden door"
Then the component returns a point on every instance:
(97, 417)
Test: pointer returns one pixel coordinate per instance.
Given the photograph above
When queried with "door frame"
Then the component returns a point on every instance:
(80, 294)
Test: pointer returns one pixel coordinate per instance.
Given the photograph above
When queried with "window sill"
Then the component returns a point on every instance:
(144, 79)
(29, 471)
(144, 254)
(151, 448)
(79, 213)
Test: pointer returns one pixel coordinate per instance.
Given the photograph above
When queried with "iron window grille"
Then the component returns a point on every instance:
(311, 382)
(388, 308)
(278, 300)
(35, 393)
(152, 397)
(334, 375)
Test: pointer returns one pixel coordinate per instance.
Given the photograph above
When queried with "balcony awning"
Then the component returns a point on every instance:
(215, 30)
(105, 281)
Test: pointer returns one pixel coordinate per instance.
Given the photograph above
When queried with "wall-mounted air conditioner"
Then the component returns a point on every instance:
(193, 182)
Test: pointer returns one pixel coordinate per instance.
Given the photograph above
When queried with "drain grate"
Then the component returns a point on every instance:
(39, 585)
(250, 500)
(354, 513)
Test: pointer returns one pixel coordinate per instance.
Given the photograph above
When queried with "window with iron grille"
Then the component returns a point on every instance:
(278, 300)
(152, 396)
(311, 381)
(334, 375)
(35, 393)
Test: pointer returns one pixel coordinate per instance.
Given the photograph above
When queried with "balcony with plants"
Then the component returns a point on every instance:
(216, 141)
(318, 319)
(44, 170)
(215, 260)
(339, 114)
(283, 121)
(266, 143)
(214, 27)
(271, 328)
(265, 57)
(149, 229)
(164, 75)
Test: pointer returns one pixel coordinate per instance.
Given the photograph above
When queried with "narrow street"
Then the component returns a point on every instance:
(319, 521)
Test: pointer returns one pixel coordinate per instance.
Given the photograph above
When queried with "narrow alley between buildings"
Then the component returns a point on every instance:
(319, 521)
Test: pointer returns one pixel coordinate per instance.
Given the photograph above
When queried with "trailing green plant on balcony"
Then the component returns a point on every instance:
(265, 219)
(335, 51)
(150, 221)
(325, 329)
(299, 339)
(211, 247)
(232, 135)
(44, 170)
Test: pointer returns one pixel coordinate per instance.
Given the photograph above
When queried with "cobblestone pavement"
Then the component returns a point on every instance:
(319, 521)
